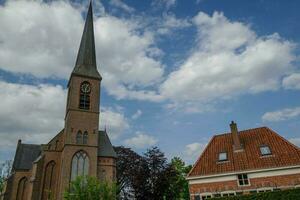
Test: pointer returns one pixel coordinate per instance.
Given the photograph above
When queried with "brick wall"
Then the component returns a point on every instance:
(255, 183)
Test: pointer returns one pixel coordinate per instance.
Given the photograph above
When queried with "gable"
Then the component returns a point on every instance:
(25, 155)
(283, 153)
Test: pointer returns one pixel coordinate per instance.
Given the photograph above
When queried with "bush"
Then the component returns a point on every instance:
(90, 188)
(293, 194)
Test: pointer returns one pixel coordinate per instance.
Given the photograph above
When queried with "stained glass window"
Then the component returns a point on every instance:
(80, 165)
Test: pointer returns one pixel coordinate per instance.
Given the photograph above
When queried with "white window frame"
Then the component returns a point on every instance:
(228, 192)
(264, 189)
(238, 180)
(263, 147)
(205, 195)
(223, 153)
(197, 194)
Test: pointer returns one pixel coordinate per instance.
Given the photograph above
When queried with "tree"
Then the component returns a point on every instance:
(5, 169)
(5, 172)
(150, 176)
(179, 184)
(131, 173)
(83, 188)
(1, 185)
(159, 173)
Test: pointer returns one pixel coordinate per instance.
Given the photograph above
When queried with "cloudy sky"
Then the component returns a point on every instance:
(175, 72)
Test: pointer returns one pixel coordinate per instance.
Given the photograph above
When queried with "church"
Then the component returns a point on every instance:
(80, 149)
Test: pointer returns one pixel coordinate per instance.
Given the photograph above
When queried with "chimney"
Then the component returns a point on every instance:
(234, 133)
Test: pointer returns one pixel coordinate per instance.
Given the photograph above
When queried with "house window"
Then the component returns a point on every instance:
(85, 137)
(217, 195)
(79, 137)
(265, 150)
(264, 190)
(243, 179)
(80, 165)
(85, 90)
(197, 197)
(228, 194)
(223, 156)
(203, 197)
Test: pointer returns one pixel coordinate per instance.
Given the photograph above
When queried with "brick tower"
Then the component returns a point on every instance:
(82, 111)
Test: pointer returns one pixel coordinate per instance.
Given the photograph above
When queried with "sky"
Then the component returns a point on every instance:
(175, 72)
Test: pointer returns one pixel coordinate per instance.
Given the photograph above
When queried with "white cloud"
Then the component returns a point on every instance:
(281, 115)
(35, 114)
(38, 38)
(45, 38)
(292, 81)
(31, 113)
(228, 60)
(193, 150)
(170, 22)
(122, 5)
(114, 121)
(295, 141)
(141, 140)
(164, 3)
(137, 114)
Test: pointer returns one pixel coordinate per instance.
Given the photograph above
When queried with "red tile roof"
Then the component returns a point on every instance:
(283, 153)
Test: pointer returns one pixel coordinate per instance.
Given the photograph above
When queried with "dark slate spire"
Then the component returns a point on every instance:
(105, 148)
(86, 58)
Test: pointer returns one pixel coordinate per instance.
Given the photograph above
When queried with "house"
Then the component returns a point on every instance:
(80, 149)
(243, 162)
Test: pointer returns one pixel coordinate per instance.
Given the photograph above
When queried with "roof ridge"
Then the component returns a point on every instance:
(240, 131)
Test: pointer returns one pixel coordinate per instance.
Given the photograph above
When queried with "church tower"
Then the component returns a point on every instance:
(82, 112)
(45, 171)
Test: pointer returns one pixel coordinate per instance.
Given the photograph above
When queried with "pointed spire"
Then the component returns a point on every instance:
(86, 58)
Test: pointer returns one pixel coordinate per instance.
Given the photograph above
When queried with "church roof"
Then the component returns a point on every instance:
(105, 147)
(283, 153)
(86, 58)
(25, 155)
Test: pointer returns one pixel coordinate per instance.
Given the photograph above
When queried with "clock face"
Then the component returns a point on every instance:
(85, 88)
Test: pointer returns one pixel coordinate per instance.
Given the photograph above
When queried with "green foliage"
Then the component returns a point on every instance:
(293, 194)
(179, 185)
(150, 176)
(90, 188)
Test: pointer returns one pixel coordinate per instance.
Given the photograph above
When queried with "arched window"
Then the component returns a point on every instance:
(80, 165)
(22, 189)
(85, 137)
(79, 137)
(85, 90)
(49, 181)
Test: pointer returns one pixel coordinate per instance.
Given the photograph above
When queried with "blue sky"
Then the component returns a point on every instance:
(174, 72)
